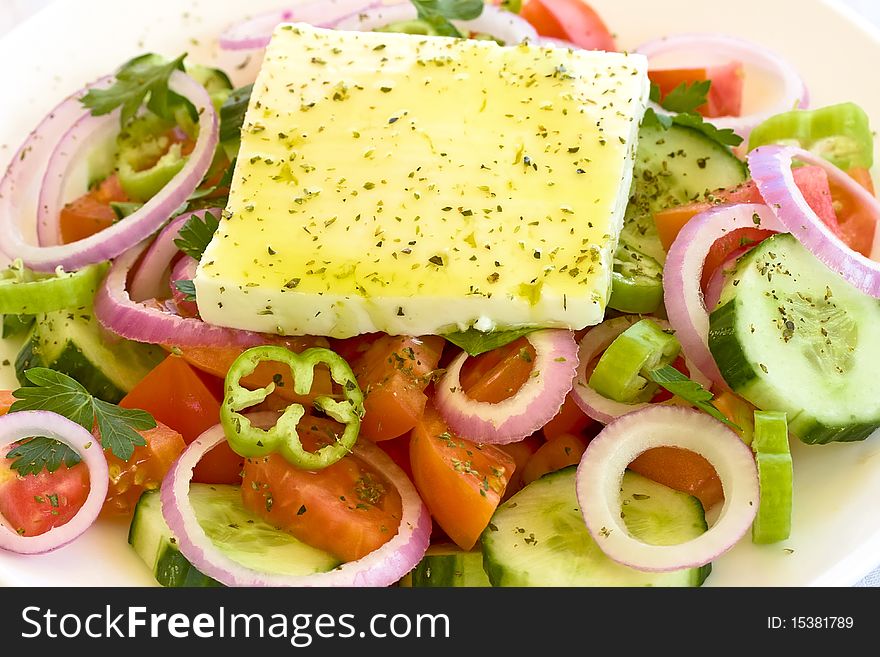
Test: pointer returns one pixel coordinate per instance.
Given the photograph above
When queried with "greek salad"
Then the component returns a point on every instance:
(453, 293)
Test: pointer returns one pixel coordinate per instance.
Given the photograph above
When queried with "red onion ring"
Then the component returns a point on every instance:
(682, 296)
(608, 455)
(26, 424)
(530, 408)
(256, 32)
(382, 567)
(147, 282)
(126, 233)
(771, 170)
(115, 310)
(597, 340)
(33, 154)
(503, 25)
(794, 91)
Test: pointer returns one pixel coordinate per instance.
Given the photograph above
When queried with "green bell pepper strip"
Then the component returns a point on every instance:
(770, 444)
(636, 282)
(252, 442)
(146, 160)
(23, 292)
(622, 372)
(839, 133)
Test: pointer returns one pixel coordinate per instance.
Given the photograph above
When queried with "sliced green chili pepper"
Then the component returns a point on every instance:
(636, 281)
(147, 159)
(643, 347)
(839, 133)
(24, 292)
(253, 442)
(773, 520)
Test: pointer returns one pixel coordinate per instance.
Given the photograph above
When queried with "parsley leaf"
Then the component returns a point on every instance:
(57, 392)
(476, 342)
(440, 13)
(684, 98)
(232, 113)
(144, 78)
(196, 234)
(681, 386)
(37, 453)
(188, 288)
(682, 103)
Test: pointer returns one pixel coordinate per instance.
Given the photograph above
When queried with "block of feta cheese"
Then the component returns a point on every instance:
(421, 185)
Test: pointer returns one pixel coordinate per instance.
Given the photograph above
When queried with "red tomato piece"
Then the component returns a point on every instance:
(34, 504)
(91, 212)
(460, 482)
(347, 509)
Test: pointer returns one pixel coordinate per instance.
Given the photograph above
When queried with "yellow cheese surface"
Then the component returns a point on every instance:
(417, 185)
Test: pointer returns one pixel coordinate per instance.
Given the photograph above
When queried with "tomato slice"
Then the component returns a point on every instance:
(572, 20)
(682, 470)
(393, 373)
(6, 400)
(520, 452)
(496, 375)
(562, 451)
(144, 471)
(857, 223)
(570, 419)
(460, 482)
(347, 509)
(91, 212)
(34, 504)
(725, 93)
(188, 402)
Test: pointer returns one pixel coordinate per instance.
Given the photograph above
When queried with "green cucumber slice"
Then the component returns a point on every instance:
(448, 565)
(72, 342)
(791, 335)
(538, 537)
(772, 453)
(636, 281)
(237, 533)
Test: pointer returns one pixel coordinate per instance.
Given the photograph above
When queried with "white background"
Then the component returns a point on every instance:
(14, 11)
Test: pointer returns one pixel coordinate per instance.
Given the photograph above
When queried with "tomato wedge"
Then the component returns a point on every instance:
(570, 419)
(572, 20)
(520, 452)
(188, 402)
(496, 375)
(91, 213)
(144, 471)
(460, 482)
(857, 223)
(393, 373)
(560, 452)
(682, 470)
(347, 509)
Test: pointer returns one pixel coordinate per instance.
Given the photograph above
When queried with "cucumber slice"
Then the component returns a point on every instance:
(538, 537)
(673, 167)
(791, 335)
(72, 342)
(772, 453)
(448, 565)
(241, 536)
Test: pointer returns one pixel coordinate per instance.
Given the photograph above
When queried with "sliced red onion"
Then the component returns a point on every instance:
(27, 424)
(256, 32)
(381, 567)
(771, 170)
(682, 296)
(141, 322)
(530, 408)
(33, 155)
(792, 90)
(147, 282)
(505, 26)
(608, 455)
(128, 232)
(596, 341)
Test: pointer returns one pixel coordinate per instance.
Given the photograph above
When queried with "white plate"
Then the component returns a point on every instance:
(836, 530)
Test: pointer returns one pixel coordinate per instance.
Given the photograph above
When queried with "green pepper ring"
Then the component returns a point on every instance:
(252, 442)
